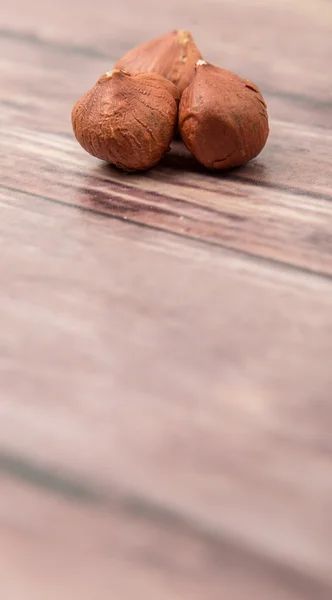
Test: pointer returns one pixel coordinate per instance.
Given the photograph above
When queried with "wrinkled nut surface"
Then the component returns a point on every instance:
(127, 119)
(222, 118)
(173, 55)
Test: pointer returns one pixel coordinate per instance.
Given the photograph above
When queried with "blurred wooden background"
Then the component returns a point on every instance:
(166, 338)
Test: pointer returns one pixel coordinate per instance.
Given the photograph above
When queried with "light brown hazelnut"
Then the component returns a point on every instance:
(127, 119)
(173, 55)
(222, 118)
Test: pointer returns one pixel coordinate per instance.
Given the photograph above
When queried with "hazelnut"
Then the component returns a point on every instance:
(222, 118)
(173, 55)
(127, 119)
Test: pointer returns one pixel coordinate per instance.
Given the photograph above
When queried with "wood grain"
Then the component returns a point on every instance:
(166, 339)
(145, 350)
(285, 46)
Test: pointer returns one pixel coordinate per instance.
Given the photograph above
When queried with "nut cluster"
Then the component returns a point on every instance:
(131, 115)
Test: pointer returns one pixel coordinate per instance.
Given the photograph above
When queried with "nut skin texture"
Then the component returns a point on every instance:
(222, 118)
(173, 55)
(127, 120)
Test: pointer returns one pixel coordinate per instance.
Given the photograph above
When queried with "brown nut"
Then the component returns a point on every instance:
(173, 55)
(127, 119)
(222, 118)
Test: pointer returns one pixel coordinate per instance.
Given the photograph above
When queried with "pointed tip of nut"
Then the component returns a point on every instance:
(110, 74)
(201, 63)
(184, 36)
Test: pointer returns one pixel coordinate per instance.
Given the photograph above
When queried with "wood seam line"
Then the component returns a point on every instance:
(140, 507)
(191, 238)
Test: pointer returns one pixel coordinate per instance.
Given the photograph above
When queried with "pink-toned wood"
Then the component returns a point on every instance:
(282, 222)
(285, 46)
(65, 550)
(193, 379)
(165, 399)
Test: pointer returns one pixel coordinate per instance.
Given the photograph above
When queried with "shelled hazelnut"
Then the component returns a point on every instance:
(222, 118)
(127, 119)
(173, 55)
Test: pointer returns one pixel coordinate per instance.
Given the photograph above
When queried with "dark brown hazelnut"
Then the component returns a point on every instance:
(127, 119)
(222, 118)
(173, 55)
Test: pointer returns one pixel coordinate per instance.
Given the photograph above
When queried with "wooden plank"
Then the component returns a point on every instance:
(267, 41)
(166, 403)
(181, 373)
(235, 211)
(74, 70)
(93, 549)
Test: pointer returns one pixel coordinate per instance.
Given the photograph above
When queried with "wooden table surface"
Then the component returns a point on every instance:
(166, 338)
